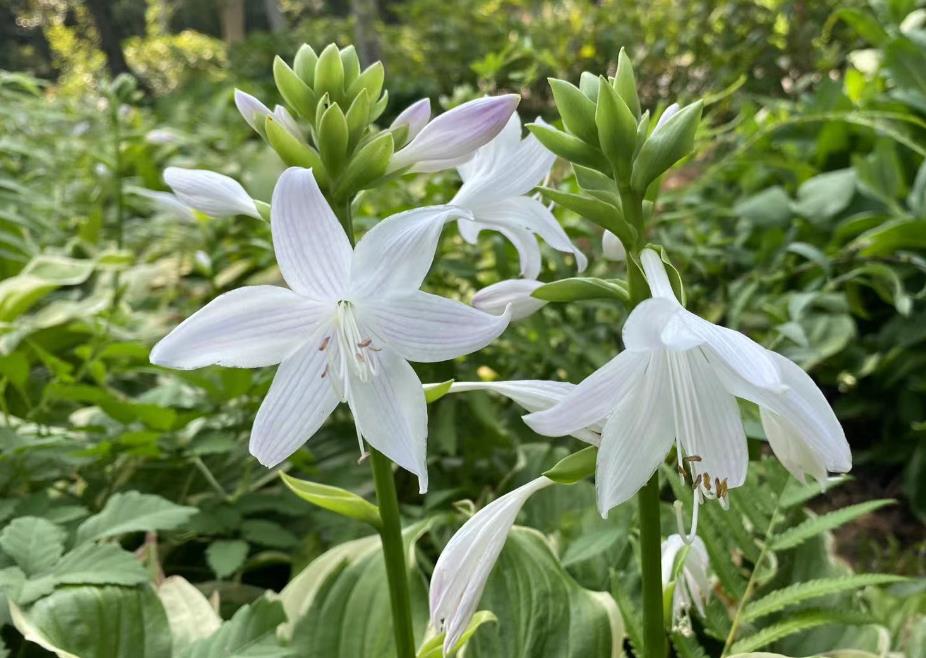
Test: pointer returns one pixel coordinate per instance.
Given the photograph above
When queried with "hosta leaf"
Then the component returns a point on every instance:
(800, 592)
(189, 613)
(250, 633)
(35, 544)
(541, 610)
(225, 556)
(814, 526)
(133, 512)
(99, 564)
(97, 622)
(800, 621)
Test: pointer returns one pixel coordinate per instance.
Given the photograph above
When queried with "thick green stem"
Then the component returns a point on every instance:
(394, 555)
(654, 634)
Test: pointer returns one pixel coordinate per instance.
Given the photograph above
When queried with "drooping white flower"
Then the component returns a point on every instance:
(463, 567)
(344, 330)
(210, 193)
(511, 292)
(612, 248)
(496, 182)
(693, 586)
(451, 138)
(677, 381)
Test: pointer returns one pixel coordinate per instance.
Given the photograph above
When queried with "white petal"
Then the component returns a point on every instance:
(396, 254)
(644, 327)
(391, 414)
(169, 203)
(298, 402)
(457, 133)
(526, 245)
(670, 547)
(415, 116)
(505, 167)
(612, 248)
(531, 215)
(792, 451)
(513, 293)
(210, 193)
(464, 565)
(656, 275)
(253, 111)
(426, 328)
(285, 119)
(311, 248)
(707, 419)
(593, 399)
(669, 112)
(636, 437)
(245, 328)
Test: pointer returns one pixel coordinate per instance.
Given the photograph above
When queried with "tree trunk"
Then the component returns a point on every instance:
(232, 17)
(110, 37)
(274, 16)
(366, 13)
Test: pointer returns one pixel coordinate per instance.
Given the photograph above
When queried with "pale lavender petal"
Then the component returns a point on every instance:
(513, 293)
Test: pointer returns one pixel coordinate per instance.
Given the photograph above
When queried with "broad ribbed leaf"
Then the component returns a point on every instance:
(133, 512)
(35, 544)
(250, 633)
(99, 564)
(189, 613)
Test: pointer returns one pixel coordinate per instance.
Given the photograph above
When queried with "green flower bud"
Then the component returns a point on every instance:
(588, 83)
(304, 64)
(368, 165)
(380, 106)
(371, 79)
(329, 73)
(351, 64)
(617, 130)
(626, 84)
(333, 139)
(569, 147)
(294, 91)
(602, 213)
(577, 111)
(668, 143)
(582, 288)
(293, 152)
(358, 118)
(577, 466)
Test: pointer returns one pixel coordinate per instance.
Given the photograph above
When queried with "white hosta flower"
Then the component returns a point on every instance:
(210, 193)
(612, 248)
(344, 330)
(415, 116)
(677, 381)
(533, 395)
(693, 585)
(515, 293)
(451, 138)
(161, 136)
(496, 182)
(463, 567)
(255, 113)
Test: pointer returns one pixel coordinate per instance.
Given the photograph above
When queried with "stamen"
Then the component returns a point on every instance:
(707, 481)
(324, 345)
(365, 343)
(693, 458)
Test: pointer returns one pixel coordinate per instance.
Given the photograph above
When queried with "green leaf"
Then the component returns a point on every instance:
(367, 166)
(97, 622)
(665, 146)
(133, 512)
(800, 592)
(225, 556)
(42, 275)
(795, 623)
(433, 647)
(372, 80)
(626, 83)
(296, 94)
(268, 533)
(576, 110)
(99, 564)
(329, 73)
(189, 613)
(541, 610)
(569, 147)
(577, 466)
(814, 526)
(821, 197)
(630, 613)
(687, 647)
(581, 288)
(250, 633)
(892, 236)
(304, 64)
(35, 544)
(334, 499)
(333, 139)
(293, 152)
(358, 118)
(603, 214)
(617, 130)
(434, 392)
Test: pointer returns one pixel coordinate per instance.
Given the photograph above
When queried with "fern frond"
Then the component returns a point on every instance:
(800, 592)
(814, 526)
(687, 647)
(633, 620)
(801, 621)
(797, 493)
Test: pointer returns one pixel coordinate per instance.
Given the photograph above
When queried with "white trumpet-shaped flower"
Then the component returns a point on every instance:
(677, 381)
(514, 292)
(692, 585)
(344, 330)
(210, 193)
(450, 138)
(463, 567)
(496, 182)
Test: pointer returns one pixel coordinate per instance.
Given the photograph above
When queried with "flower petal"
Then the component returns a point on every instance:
(792, 451)
(593, 399)
(612, 248)
(244, 328)
(396, 254)
(391, 414)
(656, 275)
(210, 193)
(667, 114)
(707, 419)
(311, 248)
(526, 245)
(529, 214)
(426, 328)
(457, 133)
(253, 111)
(168, 202)
(299, 401)
(464, 565)
(636, 437)
(644, 326)
(513, 293)
(285, 119)
(415, 116)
